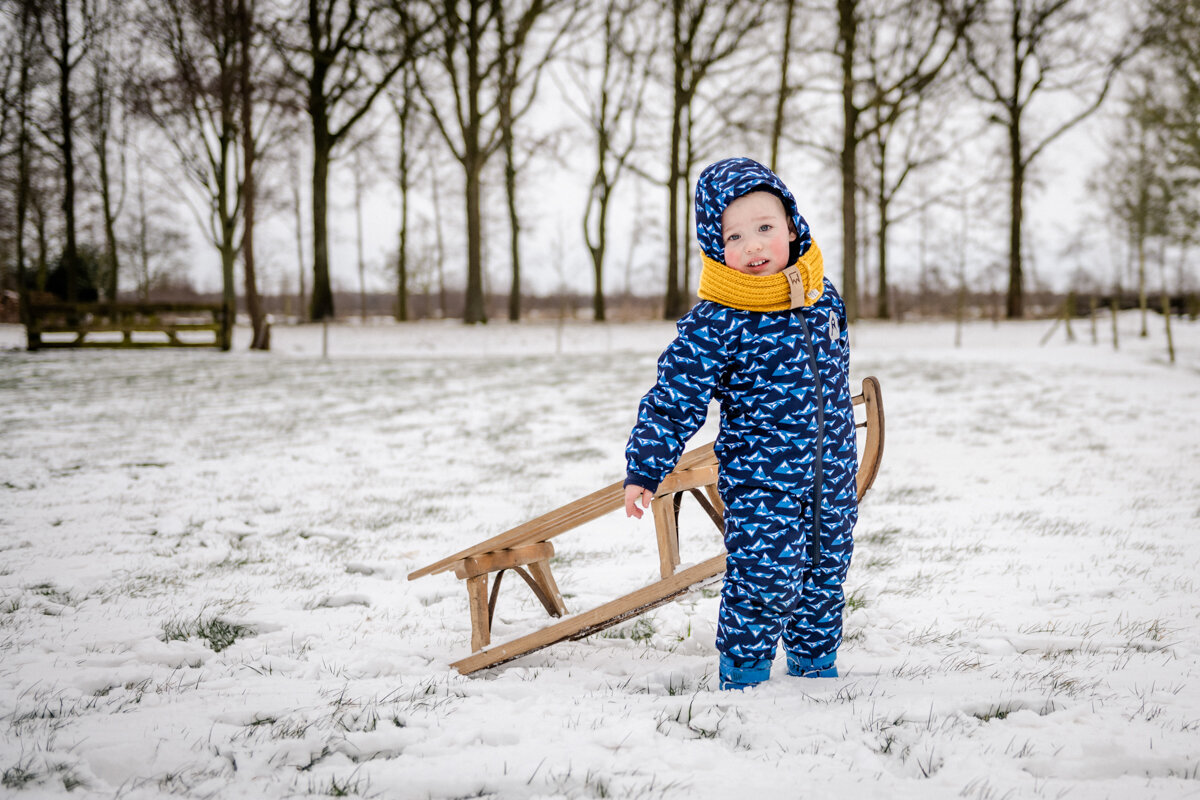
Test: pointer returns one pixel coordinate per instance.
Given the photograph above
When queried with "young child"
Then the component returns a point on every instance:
(768, 341)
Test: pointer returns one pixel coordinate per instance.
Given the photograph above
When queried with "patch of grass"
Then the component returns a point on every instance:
(882, 536)
(17, 776)
(911, 495)
(25, 774)
(982, 789)
(876, 561)
(217, 632)
(684, 716)
(855, 601)
(642, 630)
(997, 711)
(51, 593)
(347, 787)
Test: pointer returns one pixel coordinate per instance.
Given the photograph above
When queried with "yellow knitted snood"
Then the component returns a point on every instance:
(801, 284)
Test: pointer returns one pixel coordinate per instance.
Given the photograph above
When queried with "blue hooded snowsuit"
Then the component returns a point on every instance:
(786, 449)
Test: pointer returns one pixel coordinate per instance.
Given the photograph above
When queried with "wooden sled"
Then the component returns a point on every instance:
(527, 550)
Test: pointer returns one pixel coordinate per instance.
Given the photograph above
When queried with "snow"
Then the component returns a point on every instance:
(203, 563)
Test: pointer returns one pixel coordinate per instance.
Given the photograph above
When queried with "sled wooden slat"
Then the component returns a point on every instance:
(573, 514)
(527, 546)
(597, 619)
(503, 559)
(872, 451)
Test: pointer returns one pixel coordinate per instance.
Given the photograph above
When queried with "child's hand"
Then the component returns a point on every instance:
(632, 494)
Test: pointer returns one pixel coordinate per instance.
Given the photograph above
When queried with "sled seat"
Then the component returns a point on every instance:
(527, 550)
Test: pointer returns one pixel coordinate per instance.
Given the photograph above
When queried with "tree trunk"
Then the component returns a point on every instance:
(885, 311)
(847, 35)
(300, 270)
(22, 199)
(685, 230)
(358, 238)
(596, 248)
(226, 219)
(401, 310)
(110, 231)
(260, 339)
(439, 242)
(71, 255)
(1143, 299)
(321, 303)
(781, 97)
(102, 102)
(508, 64)
(43, 262)
(227, 205)
(599, 312)
(881, 201)
(143, 239)
(673, 301)
(1015, 301)
(473, 162)
(596, 245)
(514, 224)
(474, 311)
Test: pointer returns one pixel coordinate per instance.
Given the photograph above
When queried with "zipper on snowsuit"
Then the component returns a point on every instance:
(814, 544)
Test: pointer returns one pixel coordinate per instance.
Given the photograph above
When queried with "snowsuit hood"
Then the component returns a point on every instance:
(723, 182)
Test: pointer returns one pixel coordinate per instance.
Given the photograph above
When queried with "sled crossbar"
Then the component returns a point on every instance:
(527, 549)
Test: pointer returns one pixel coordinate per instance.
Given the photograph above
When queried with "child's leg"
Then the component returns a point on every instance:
(763, 536)
(813, 633)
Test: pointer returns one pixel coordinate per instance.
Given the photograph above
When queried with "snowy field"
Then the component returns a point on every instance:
(203, 562)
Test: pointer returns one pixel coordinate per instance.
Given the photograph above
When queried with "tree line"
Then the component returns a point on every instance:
(918, 107)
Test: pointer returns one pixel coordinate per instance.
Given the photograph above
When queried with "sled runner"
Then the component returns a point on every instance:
(527, 550)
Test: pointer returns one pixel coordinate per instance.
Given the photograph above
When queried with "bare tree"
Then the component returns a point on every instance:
(403, 101)
(194, 101)
(613, 113)
(106, 125)
(24, 54)
(924, 35)
(294, 181)
(465, 50)
(899, 149)
(152, 243)
(1024, 50)
(415, 156)
(702, 36)
(66, 30)
(1173, 33)
(362, 156)
(1174, 36)
(486, 81)
(10, 68)
(520, 68)
(247, 68)
(1133, 176)
(785, 88)
(346, 57)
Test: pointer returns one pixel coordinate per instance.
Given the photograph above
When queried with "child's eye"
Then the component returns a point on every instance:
(733, 237)
(766, 226)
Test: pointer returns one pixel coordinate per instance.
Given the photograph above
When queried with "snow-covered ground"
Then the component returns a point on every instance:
(203, 563)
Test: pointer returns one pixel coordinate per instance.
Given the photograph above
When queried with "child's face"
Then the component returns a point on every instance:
(757, 234)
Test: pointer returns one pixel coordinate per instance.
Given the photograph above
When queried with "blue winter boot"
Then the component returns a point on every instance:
(822, 667)
(743, 674)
